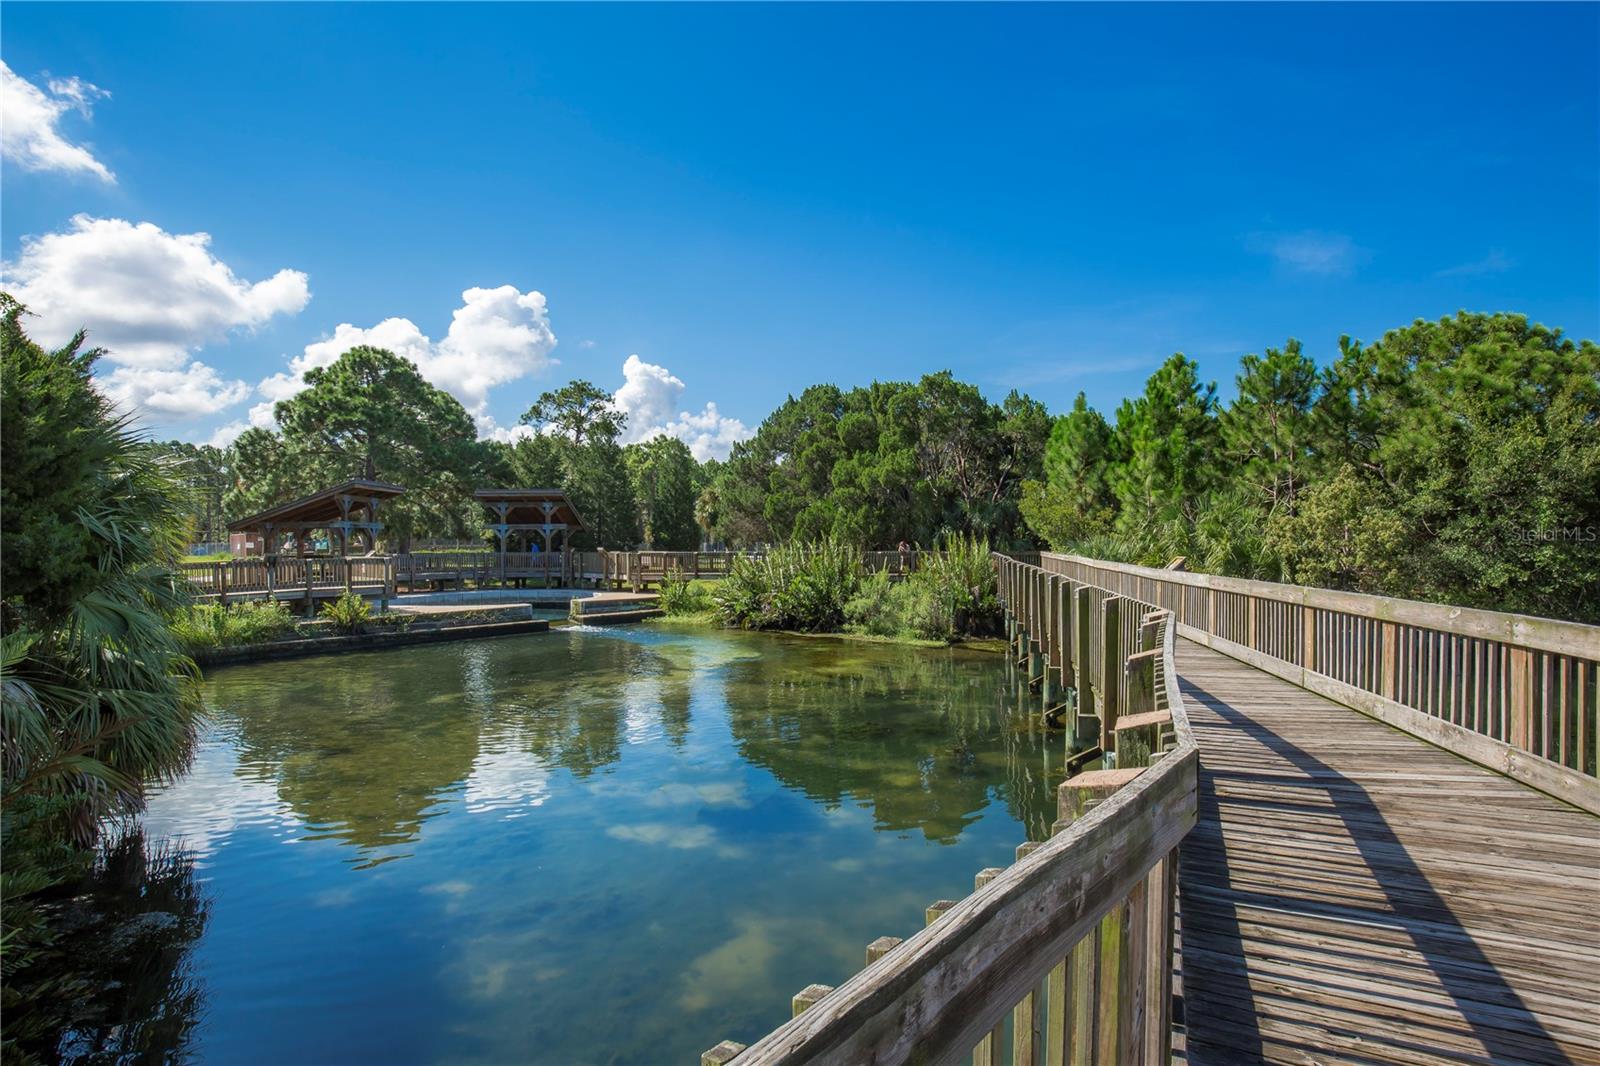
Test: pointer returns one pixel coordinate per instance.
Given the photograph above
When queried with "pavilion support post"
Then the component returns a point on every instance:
(310, 607)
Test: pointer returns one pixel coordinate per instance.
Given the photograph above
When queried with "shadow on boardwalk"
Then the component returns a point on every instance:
(1314, 930)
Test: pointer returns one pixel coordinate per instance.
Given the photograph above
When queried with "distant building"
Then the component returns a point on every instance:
(244, 545)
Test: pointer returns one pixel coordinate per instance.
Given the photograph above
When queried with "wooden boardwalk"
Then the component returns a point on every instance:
(1352, 894)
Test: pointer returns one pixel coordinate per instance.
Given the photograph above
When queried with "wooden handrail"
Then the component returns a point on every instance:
(290, 576)
(1512, 692)
(1528, 631)
(1095, 898)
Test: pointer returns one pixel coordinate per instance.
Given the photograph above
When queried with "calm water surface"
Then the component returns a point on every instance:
(596, 846)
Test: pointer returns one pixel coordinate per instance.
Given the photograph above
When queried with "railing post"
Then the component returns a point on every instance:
(1139, 677)
(807, 998)
(1391, 660)
(221, 582)
(1111, 658)
(1082, 619)
(1069, 677)
(1522, 698)
(1161, 901)
(722, 1054)
(1308, 637)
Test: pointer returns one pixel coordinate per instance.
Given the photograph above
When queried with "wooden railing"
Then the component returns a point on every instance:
(291, 577)
(1511, 692)
(1067, 953)
(638, 569)
(419, 570)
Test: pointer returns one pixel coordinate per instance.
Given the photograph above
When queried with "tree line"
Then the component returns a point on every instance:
(1456, 461)
(371, 414)
(870, 466)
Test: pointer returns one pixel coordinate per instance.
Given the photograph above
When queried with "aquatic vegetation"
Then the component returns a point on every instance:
(960, 579)
(952, 594)
(679, 595)
(203, 626)
(803, 587)
(348, 613)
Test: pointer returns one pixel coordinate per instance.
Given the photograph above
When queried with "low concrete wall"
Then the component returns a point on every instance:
(617, 618)
(293, 649)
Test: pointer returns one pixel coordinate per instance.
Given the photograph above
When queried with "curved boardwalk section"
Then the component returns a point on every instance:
(1352, 894)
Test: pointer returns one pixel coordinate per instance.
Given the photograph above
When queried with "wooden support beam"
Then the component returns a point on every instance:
(808, 997)
(881, 947)
(1082, 613)
(1111, 656)
(722, 1054)
(1067, 597)
(990, 1049)
(1079, 794)
(1139, 674)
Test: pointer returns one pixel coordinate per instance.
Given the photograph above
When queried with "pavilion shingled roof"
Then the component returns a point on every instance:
(321, 506)
(527, 506)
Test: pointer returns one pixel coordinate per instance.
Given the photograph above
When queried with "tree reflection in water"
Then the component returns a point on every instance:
(118, 984)
(504, 844)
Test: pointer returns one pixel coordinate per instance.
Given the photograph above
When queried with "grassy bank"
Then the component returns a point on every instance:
(822, 589)
(203, 628)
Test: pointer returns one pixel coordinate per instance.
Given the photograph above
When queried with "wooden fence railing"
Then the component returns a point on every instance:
(291, 577)
(638, 569)
(1065, 955)
(634, 570)
(420, 570)
(1515, 693)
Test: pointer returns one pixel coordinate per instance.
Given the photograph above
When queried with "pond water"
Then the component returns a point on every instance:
(607, 846)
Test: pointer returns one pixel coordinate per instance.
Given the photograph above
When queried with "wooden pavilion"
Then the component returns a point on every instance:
(539, 523)
(348, 512)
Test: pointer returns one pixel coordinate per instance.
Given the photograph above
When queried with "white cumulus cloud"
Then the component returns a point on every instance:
(650, 396)
(496, 336)
(29, 116)
(152, 299)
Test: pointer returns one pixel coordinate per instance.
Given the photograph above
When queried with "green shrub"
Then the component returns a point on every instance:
(680, 596)
(349, 612)
(908, 608)
(201, 626)
(796, 586)
(873, 610)
(959, 583)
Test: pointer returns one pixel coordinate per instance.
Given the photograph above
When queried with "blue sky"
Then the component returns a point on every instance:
(754, 199)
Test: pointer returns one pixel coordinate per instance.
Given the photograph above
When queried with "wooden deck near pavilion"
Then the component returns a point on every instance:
(1354, 894)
